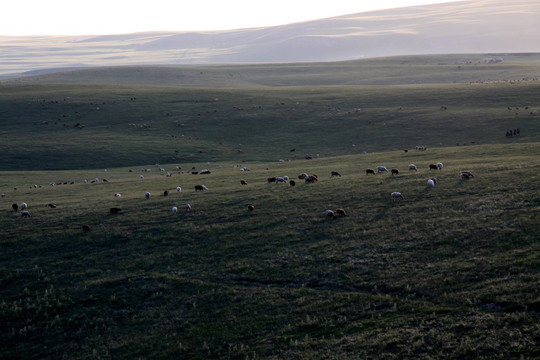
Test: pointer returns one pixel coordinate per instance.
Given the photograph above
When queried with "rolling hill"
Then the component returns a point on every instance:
(487, 26)
(111, 117)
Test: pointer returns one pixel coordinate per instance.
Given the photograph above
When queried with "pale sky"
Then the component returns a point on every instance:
(81, 17)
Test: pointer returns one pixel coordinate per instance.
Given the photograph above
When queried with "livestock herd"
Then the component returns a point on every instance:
(308, 179)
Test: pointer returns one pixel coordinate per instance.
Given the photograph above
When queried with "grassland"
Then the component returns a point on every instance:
(129, 124)
(449, 272)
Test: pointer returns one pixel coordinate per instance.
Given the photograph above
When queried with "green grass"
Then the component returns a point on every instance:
(128, 125)
(450, 272)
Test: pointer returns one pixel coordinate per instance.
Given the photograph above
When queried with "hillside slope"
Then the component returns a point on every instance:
(456, 27)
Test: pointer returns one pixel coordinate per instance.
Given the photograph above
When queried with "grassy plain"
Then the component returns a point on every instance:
(449, 272)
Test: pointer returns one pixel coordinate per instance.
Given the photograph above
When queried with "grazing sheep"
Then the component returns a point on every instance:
(335, 173)
(166, 192)
(86, 228)
(15, 207)
(251, 207)
(394, 172)
(271, 179)
(188, 208)
(115, 210)
(396, 195)
(243, 182)
(310, 179)
(280, 179)
(117, 195)
(174, 210)
(330, 213)
(179, 189)
(200, 188)
(466, 175)
(142, 177)
(431, 183)
(433, 167)
(292, 183)
(439, 165)
(412, 167)
(370, 171)
(341, 212)
(52, 206)
(381, 169)
(25, 213)
(23, 206)
(302, 176)
(205, 171)
(147, 195)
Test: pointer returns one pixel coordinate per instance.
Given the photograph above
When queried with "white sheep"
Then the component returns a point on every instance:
(179, 189)
(188, 207)
(431, 183)
(330, 213)
(142, 177)
(440, 165)
(117, 195)
(412, 167)
(174, 210)
(396, 195)
(24, 206)
(147, 195)
(25, 213)
(382, 169)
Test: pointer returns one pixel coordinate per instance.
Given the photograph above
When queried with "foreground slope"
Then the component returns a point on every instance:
(449, 272)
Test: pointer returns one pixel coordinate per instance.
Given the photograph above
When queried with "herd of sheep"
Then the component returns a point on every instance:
(431, 182)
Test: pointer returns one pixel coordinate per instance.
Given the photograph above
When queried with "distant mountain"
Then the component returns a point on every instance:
(479, 26)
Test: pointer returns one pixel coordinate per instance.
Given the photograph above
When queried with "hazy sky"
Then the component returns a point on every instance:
(77, 17)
